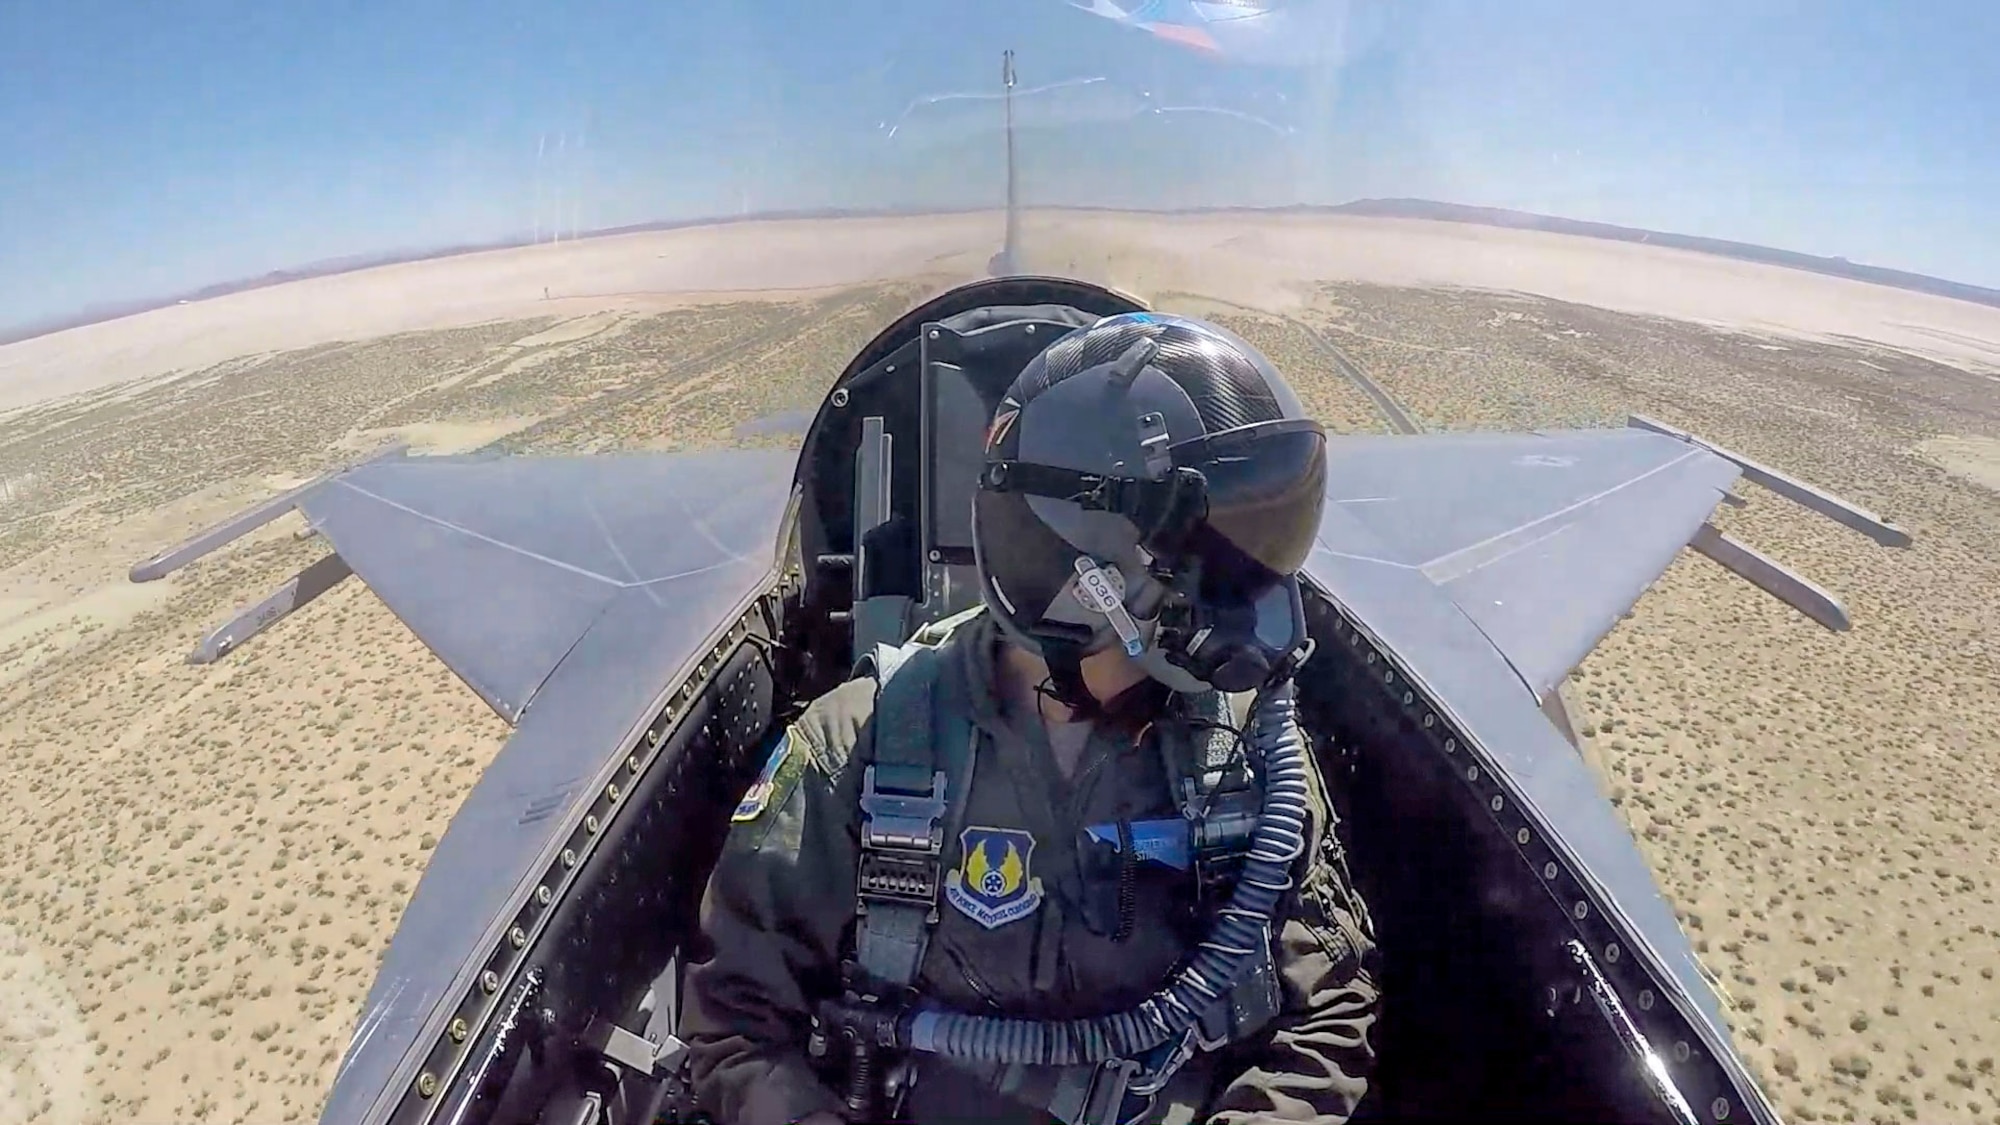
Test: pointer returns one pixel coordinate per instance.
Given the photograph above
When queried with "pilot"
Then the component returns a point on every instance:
(1074, 862)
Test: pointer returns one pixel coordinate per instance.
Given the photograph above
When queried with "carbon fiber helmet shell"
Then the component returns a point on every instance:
(1210, 402)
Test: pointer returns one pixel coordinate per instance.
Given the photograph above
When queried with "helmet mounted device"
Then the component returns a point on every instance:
(1224, 516)
(1232, 624)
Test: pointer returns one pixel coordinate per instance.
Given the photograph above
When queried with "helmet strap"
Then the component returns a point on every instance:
(1065, 683)
(1130, 710)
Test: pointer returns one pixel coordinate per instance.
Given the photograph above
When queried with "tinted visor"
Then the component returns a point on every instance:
(1266, 489)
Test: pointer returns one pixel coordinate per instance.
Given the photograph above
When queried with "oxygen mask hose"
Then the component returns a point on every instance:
(1241, 930)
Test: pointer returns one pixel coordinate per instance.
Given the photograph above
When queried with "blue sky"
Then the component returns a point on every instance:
(156, 147)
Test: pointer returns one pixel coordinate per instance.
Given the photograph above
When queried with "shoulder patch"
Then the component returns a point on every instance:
(758, 797)
(992, 884)
(830, 727)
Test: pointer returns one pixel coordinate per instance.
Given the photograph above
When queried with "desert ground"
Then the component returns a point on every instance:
(206, 862)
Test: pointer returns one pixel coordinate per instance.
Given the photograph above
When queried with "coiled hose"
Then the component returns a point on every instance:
(1277, 751)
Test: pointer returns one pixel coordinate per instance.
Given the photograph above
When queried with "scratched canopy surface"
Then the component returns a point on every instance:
(1182, 151)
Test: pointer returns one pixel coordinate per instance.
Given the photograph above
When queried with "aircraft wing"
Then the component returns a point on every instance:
(566, 591)
(501, 564)
(1544, 540)
(1485, 566)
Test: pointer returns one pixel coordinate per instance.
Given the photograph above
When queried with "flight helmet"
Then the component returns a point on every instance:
(1151, 482)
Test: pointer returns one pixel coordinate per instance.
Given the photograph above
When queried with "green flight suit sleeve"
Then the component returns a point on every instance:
(777, 904)
(1320, 1058)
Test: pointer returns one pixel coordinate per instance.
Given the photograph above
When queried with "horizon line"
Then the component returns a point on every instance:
(1374, 207)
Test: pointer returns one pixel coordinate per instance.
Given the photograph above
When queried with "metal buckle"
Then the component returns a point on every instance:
(1156, 1079)
(1221, 1015)
(1143, 1111)
(897, 1084)
(897, 878)
(1195, 1038)
(900, 820)
(1105, 1098)
(900, 843)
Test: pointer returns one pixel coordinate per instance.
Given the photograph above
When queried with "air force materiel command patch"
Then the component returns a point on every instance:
(759, 794)
(992, 885)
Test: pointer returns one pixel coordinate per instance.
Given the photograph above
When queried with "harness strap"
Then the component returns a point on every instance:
(917, 778)
(921, 768)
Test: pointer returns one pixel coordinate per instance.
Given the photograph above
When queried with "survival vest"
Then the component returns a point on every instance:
(913, 799)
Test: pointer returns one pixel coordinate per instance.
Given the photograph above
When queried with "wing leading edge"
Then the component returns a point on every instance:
(500, 565)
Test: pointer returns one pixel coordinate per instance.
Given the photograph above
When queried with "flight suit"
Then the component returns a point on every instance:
(1030, 924)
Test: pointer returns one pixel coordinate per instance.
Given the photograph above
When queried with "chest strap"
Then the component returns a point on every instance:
(914, 782)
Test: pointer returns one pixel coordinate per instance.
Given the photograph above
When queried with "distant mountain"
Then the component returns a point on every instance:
(1377, 208)
(97, 314)
(1522, 220)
